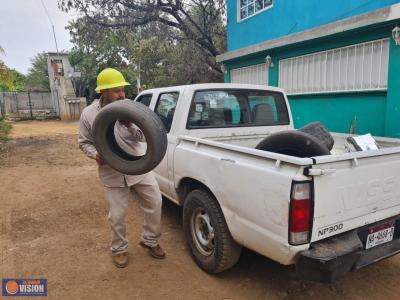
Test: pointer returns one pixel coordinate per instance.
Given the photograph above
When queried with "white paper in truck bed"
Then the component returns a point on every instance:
(363, 142)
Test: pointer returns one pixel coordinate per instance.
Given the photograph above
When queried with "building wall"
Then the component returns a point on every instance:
(392, 121)
(377, 112)
(337, 112)
(287, 17)
(69, 107)
(68, 69)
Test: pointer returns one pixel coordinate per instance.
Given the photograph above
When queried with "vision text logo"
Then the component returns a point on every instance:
(24, 287)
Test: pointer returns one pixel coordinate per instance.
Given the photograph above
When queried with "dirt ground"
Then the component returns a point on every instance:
(53, 225)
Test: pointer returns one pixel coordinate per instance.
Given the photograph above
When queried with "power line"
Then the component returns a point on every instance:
(46, 11)
(51, 22)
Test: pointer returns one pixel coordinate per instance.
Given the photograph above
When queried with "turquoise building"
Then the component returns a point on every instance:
(339, 61)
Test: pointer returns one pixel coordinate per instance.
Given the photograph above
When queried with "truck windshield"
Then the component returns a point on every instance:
(235, 108)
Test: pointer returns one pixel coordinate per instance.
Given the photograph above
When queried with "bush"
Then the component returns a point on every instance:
(4, 129)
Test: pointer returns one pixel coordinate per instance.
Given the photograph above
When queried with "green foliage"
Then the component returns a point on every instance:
(5, 76)
(95, 49)
(197, 20)
(38, 75)
(161, 59)
(166, 43)
(15, 83)
(4, 129)
(19, 81)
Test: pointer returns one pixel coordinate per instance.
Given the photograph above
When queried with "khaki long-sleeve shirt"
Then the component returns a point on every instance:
(131, 140)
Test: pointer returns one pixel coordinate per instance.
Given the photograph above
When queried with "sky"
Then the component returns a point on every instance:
(26, 31)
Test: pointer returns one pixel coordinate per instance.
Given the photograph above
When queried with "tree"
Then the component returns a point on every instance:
(16, 82)
(10, 80)
(96, 48)
(19, 81)
(152, 50)
(38, 74)
(165, 60)
(5, 74)
(198, 21)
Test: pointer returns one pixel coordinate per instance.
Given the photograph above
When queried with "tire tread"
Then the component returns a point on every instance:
(230, 251)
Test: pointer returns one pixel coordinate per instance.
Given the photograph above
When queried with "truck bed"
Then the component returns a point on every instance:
(350, 189)
(250, 141)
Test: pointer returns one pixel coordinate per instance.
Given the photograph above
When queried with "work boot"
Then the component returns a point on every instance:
(120, 259)
(156, 251)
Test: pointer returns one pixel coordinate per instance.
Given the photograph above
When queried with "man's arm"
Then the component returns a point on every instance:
(85, 139)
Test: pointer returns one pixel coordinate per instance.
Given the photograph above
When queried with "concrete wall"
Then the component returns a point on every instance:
(70, 107)
(291, 16)
(27, 105)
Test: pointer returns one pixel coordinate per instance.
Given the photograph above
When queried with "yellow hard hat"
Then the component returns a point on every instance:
(110, 78)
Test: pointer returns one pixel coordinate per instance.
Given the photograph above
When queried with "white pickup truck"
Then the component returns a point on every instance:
(328, 214)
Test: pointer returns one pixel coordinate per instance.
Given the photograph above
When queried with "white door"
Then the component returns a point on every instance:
(165, 109)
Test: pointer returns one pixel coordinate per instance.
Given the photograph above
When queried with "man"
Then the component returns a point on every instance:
(118, 186)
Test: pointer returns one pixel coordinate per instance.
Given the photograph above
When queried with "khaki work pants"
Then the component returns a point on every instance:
(150, 201)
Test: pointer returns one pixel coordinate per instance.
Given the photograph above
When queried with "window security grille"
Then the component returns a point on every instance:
(359, 67)
(257, 74)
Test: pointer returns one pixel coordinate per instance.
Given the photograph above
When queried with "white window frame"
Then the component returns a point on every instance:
(296, 77)
(239, 19)
(250, 76)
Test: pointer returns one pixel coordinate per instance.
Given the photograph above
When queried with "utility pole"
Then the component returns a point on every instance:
(55, 39)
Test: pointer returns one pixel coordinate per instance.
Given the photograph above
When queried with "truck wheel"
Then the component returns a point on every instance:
(294, 143)
(207, 233)
(146, 120)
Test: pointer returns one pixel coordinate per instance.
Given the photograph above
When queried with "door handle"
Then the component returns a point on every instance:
(228, 160)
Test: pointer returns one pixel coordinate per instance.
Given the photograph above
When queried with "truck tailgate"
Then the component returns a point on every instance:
(354, 190)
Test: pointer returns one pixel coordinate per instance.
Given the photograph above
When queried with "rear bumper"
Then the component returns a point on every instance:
(331, 259)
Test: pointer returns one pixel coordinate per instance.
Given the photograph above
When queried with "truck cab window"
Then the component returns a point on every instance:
(234, 108)
(145, 99)
(165, 108)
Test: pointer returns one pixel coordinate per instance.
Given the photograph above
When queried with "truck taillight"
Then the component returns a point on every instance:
(300, 213)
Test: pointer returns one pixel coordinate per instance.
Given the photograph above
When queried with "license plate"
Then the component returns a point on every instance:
(379, 235)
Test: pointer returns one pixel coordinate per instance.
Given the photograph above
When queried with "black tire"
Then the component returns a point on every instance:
(146, 120)
(319, 131)
(225, 251)
(294, 143)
